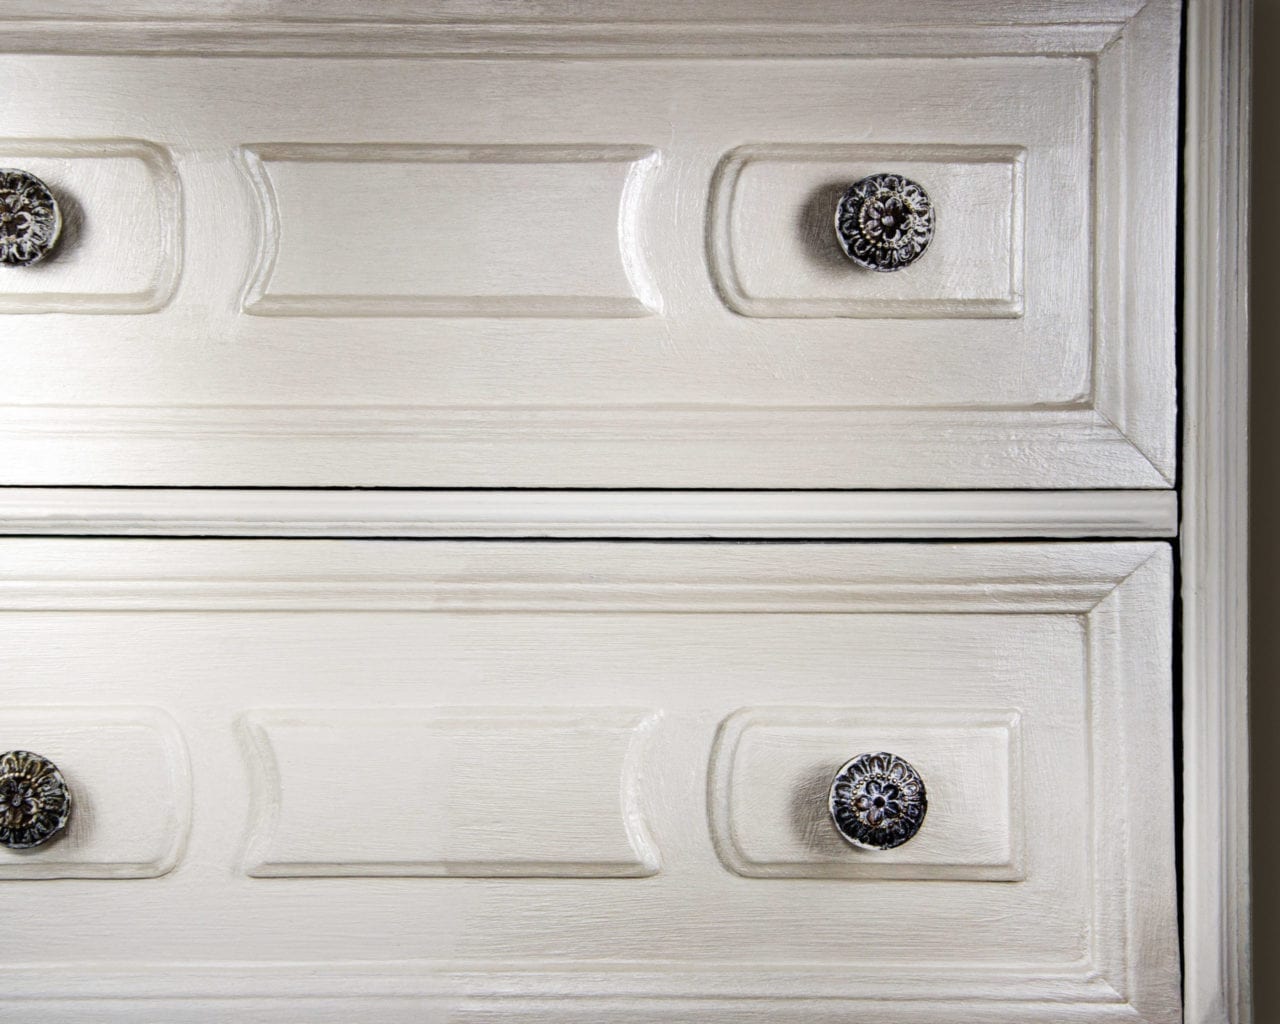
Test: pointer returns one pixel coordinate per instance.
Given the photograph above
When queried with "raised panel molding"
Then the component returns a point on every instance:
(620, 447)
(323, 575)
(614, 28)
(772, 766)
(464, 794)
(577, 514)
(130, 782)
(547, 231)
(770, 247)
(120, 250)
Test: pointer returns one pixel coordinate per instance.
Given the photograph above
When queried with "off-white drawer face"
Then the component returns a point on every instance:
(397, 775)
(588, 269)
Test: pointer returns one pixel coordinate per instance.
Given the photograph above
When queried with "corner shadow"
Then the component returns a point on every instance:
(808, 815)
(73, 227)
(816, 224)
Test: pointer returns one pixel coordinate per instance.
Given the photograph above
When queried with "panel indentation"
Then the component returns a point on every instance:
(773, 767)
(773, 245)
(429, 793)
(129, 778)
(428, 230)
(120, 247)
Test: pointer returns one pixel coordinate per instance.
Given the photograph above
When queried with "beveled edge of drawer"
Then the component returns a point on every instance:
(795, 515)
(667, 29)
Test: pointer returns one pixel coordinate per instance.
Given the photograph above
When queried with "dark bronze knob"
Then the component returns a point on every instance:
(30, 220)
(884, 222)
(34, 802)
(877, 801)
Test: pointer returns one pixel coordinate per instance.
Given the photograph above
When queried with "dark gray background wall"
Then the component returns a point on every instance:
(1265, 512)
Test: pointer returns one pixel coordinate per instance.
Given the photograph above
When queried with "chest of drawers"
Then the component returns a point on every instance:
(392, 407)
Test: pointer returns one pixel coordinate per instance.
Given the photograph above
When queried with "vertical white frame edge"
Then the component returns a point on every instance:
(1215, 518)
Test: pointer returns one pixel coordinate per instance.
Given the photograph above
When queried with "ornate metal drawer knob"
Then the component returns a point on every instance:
(30, 220)
(884, 222)
(34, 802)
(877, 801)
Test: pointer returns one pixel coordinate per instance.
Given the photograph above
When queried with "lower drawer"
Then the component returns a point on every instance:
(592, 782)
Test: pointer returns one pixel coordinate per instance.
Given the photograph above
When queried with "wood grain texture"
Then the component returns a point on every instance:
(638, 514)
(1074, 638)
(525, 794)
(127, 772)
(123, 257)
(408, 347)
(771, 765)
(568, 28)
(1215, 547)
(772, 207)
(526, 231)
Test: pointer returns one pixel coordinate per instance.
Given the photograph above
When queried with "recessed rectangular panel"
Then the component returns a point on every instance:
(353, 230)
(773, 243)
(129, 782)
(774, 766)
(472, 794)
(119, 250)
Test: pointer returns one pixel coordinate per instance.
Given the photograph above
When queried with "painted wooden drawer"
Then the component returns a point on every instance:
(601, 256)
(465, 782)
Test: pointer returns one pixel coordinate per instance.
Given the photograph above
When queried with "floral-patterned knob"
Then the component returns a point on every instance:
(877, 801)
(30, 220)
(884, 222)
(34, 802)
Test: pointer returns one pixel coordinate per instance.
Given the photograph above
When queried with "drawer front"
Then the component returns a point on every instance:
(591, 781)
(578, 268)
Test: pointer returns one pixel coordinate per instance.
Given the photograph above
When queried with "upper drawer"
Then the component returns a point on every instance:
(565, 266)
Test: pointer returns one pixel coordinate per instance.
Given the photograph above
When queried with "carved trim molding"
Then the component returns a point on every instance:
(493, 282)
(187, 575)
(668, 30)
(641, 514)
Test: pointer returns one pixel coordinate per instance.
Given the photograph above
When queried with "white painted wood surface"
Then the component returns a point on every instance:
(1075, 639)
(1215, 511)
(126, 768)
(638, 514)
(119, 256)
(768, 760)
(465, 287)
(155, 424)
(446, 231)
(464, 794)
(560, 28)
(765, 267)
